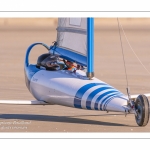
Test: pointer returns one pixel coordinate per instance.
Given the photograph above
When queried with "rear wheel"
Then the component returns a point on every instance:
(142, 110)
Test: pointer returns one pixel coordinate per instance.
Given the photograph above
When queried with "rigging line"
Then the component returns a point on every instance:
(134, 51)
(122, 53)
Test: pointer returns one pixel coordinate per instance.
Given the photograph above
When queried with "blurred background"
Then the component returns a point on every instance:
(52, 22)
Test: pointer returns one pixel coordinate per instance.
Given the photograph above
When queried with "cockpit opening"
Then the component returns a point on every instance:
(53, 63)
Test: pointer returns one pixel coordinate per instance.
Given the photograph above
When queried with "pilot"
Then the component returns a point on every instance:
(73, 67)
(70, 66)
(48, 61)
(52, 65)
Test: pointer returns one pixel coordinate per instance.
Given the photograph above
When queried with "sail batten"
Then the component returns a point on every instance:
(66, 29)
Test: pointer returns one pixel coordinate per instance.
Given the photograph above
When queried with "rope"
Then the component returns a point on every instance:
(134, 51)
(122, 53)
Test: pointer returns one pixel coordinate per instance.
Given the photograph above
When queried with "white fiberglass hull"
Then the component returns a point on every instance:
(76, 90)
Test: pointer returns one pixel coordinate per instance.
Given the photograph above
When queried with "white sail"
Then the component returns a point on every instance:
(72, 34)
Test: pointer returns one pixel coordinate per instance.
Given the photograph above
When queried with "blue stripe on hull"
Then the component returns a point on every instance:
(80, 93)
(108, 93)
(91, 96)
(106, 96)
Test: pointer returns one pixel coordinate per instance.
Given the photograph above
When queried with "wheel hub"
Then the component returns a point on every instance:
(139, 111)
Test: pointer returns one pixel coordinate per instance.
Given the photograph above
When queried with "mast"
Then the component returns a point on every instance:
(90, 48)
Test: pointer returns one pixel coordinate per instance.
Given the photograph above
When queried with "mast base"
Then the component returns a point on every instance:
(90, 75)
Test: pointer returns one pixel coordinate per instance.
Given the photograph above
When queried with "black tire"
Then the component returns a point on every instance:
(142, 110)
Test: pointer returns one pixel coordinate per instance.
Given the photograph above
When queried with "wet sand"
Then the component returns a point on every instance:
(108, 67)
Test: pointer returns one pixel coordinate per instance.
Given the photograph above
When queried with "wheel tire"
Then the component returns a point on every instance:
(142, 110)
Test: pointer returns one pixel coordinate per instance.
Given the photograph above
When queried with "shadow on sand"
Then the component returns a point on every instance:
(61, 119)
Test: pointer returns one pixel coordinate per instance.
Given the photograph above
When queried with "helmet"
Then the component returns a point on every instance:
(48, 61)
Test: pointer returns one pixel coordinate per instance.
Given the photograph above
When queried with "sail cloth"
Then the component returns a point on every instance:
(71, 34)
(71, 40)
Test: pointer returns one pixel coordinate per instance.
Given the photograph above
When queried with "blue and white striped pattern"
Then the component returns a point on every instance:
(96, 96)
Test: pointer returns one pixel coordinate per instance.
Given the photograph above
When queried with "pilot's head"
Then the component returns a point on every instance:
(48, 61)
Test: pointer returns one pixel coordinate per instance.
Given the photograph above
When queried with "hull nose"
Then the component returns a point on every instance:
(115, 104)
(100, 96)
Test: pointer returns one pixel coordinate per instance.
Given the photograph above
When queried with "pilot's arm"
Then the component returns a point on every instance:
(65, 63)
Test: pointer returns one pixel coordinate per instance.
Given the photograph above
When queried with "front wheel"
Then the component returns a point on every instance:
(142, 110)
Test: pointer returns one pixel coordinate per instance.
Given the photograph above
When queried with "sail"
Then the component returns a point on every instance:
(71, 43)
(72, 34)
(75, 42)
